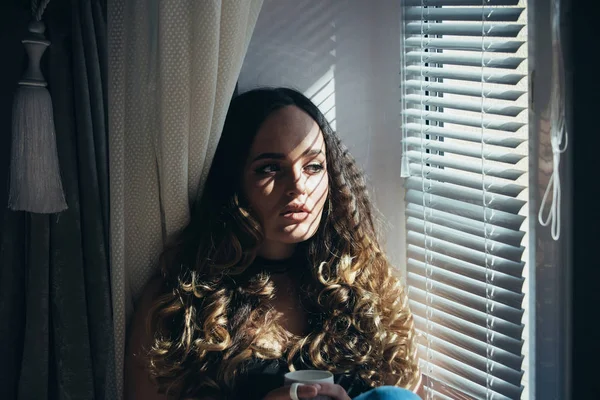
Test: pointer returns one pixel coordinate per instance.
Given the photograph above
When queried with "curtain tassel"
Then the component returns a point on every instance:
(35, 182)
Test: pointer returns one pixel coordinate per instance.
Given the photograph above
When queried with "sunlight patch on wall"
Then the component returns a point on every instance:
(322, 93)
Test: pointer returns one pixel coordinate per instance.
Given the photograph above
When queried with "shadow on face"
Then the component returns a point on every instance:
(285, 180)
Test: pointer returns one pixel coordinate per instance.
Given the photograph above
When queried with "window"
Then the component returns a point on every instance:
(465, 164)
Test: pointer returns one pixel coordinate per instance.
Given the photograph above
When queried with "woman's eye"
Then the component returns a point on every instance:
(315, 168)
(267, 169)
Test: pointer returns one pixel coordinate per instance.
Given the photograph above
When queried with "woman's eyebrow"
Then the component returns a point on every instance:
(271, 156)
(281, 156)
(312, 152)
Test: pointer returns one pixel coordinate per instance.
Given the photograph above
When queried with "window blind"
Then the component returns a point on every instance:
(464, 125)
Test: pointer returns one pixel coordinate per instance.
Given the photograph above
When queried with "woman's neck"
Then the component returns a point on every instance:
(276, 251)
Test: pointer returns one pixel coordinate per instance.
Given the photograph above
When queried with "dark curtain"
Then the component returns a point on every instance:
(585, 277)
(56, 336)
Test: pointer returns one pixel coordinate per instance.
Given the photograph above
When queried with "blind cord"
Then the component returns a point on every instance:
(488, 324)
(404, 166)
(425, 191)
(559, 138)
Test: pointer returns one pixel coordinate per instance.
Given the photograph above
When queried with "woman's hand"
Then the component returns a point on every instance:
(304, 391)
(336, 392)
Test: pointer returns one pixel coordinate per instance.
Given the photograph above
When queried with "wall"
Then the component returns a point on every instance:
(344, 55)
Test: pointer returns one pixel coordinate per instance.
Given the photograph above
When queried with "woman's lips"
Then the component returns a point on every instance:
(295, 212)
(295, 215)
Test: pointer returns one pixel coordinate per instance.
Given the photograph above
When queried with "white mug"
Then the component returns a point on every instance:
(309, 376)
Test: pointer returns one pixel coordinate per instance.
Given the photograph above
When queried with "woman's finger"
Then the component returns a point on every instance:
(306, 391)
(336, 392)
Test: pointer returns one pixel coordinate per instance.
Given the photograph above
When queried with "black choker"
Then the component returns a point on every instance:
(275, 266)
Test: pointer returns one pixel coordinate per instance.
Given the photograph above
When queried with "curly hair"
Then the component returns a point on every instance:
(213, 315)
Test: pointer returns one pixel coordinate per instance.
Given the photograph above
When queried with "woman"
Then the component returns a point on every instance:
(279, 270)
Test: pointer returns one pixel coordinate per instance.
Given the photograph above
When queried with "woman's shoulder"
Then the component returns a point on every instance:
(138, 329)
(140, 323)
(140, 340)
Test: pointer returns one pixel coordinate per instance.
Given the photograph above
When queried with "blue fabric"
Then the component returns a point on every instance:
(388, 393)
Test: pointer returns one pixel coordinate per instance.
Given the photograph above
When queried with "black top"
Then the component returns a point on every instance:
(294, 262)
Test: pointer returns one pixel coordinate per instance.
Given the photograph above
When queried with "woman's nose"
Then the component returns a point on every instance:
(297, 185)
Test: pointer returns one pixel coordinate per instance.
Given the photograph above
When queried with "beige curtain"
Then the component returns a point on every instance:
(173, 66)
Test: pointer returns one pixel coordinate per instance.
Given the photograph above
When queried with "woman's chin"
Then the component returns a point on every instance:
(296, 233)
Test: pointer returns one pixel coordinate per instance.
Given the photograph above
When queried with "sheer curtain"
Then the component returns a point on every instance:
(173, 66)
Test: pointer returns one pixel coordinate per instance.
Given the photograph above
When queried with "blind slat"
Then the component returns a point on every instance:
(465, 29)
(439, 3)
(485, 306)
(475, 271)
(483, 349)
(492, 200)
(508, 14)
(472, 211)
(437, 313)
(458, 356)
(440, 395)
(473, 374)
(497, 124)
(490, 153)
(460, 311)
(477, 317)
(470, 60)
(444, 391)
(489, 91)
(491, 46)
(462, 282)
(472, 242)
(509, 110)
(502, 140)
(504, 78)
(445, 175)
(464, 165)
(510, 267)
(467, 386)
(468, 29)
(466, 225)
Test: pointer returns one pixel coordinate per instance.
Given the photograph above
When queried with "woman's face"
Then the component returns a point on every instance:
(285, 180)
